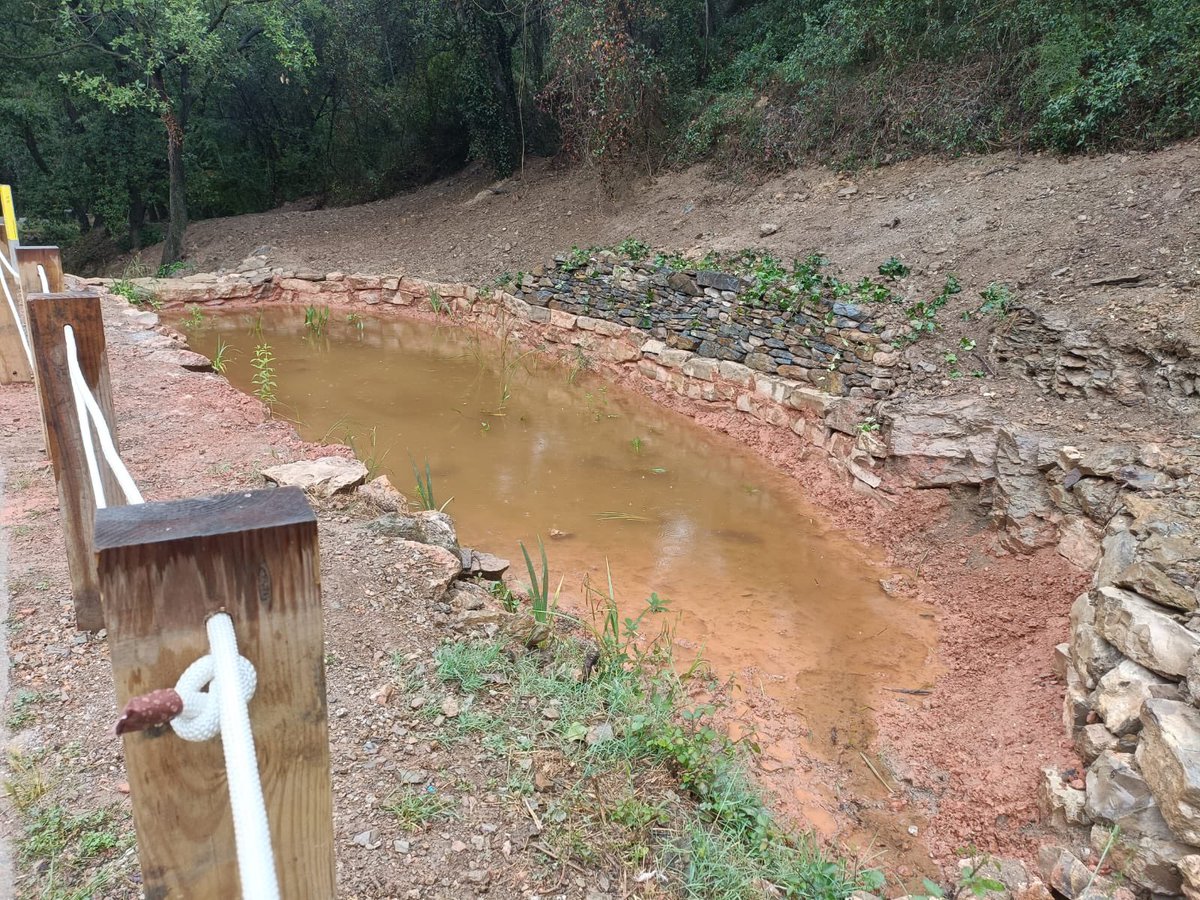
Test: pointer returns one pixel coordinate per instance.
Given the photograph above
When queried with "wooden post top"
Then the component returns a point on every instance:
(176, 520)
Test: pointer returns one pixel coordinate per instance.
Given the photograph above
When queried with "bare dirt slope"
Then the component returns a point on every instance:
(1042, 221)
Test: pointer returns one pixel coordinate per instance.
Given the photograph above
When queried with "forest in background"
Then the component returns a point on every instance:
(120, 119)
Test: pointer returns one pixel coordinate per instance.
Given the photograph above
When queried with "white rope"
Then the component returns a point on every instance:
(42, 278)
(85, 401)
(12, 270)
(231, 681)
(13, 306)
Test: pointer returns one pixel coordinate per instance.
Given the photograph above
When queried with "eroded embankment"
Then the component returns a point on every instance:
(971, 752)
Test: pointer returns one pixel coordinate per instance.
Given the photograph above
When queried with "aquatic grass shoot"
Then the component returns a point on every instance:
(264, 374)
(220, 359)
(316, 318)
(425, 487)
(539, 589)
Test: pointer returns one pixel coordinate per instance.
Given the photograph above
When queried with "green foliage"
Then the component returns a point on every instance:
(539, 589)
(998, 299)
(415, 809)
(922, 314)
(171, 269)
(425, 486)
(893, 268)
(21, 711)
(467, 664)
(633, 249)
(195, 317)
(264, 373)
(974, 875)
(316, 318)
(67, 846)
(351, 100)
(220, 359)
(578, 258)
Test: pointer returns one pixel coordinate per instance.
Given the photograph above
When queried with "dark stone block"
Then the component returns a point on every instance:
(683, 342)
(776, 344)
(541, 298)
(730, 353)
(684, 284)
(761, 362)
(710, 350)
(718, 280)
(848, 310)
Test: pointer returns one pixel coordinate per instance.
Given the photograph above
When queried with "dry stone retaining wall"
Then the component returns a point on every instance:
(841, 348)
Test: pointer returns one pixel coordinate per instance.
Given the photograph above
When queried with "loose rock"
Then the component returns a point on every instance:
(324, 477)
(1169, 755)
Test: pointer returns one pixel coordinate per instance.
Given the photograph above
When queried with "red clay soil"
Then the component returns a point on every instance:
(972, 751)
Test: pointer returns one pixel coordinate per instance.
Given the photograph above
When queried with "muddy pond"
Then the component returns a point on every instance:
(526, 447)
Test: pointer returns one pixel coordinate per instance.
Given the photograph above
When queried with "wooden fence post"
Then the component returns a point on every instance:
(14, 364)
(48, 313)
(164, 568)
(49, 258)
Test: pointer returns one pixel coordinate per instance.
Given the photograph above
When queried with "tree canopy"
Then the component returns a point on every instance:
(122, 117)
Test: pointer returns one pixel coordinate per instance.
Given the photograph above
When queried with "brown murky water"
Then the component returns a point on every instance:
(527, 447)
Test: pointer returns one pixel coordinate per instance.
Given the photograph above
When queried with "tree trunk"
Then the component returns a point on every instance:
(174, 119)
(176, 194)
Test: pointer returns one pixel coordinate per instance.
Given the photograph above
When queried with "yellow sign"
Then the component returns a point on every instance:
(10, 215)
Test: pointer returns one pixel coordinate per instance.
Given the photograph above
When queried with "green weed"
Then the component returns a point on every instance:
(220, 359)
(138, 296)
(467, 664)
(633, 249)
(893, 268)
(370, 454)
(425, 487)
(264, 374)
(171, 269)
(539, 589)
(316, 319)
(415, 809)
(998, 300)
(21, 711)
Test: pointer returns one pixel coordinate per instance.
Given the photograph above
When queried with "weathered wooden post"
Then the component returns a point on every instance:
(48, 314)
(14, 363)
(49, 258)
(164, 568)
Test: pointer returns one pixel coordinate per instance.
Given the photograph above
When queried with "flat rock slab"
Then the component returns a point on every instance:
(424, 527)
(324, 477)
(186, 359)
